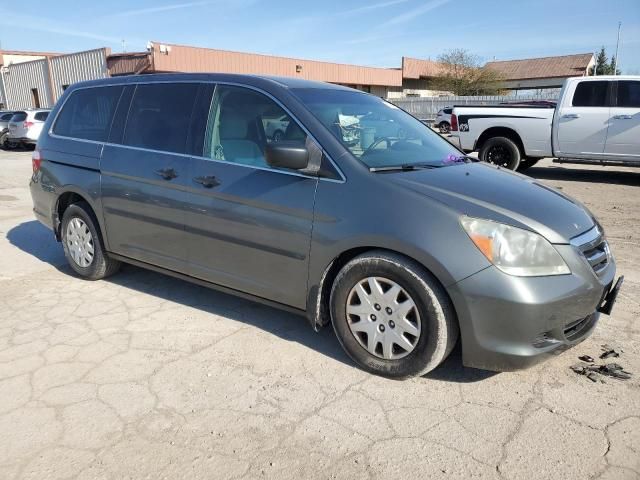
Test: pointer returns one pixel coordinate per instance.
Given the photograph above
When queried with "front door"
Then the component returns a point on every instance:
(583, 122)
(623, 138)
(145, 168)
(249, 225)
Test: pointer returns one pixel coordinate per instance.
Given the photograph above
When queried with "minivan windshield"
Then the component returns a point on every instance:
(378, 133)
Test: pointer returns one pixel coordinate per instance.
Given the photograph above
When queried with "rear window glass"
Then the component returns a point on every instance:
(87, 113)
(628, 93)
(159, 116)
(591, 94)
(41, 116)
(448, 111)
(19, 117)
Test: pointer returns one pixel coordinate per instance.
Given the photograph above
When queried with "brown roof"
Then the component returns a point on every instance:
(545, 67)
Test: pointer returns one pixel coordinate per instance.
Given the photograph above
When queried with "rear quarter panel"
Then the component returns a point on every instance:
(533, 125)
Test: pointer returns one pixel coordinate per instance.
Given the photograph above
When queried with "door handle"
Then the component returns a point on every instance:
(623, 117)
(207, 181)
(167, 173)
(571, 115)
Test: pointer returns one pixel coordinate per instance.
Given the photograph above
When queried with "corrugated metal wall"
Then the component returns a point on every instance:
(77, 67)
(49, 76)
(20, 81)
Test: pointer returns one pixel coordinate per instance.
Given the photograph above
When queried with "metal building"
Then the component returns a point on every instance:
(39, 83)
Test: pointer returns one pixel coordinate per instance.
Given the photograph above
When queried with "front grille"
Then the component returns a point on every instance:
(594, 248)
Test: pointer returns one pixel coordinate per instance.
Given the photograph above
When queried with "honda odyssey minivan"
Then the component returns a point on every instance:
(399, 241)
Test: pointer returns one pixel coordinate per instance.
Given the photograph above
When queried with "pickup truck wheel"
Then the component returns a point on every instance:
(501, 151)
(391, 316)
(527, 163)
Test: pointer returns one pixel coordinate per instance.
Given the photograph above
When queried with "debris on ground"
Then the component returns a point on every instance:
(609, 352)
(613, 370)
(586, 358)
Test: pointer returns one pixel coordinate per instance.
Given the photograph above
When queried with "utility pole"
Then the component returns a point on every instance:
(124, 45)
(615, 61)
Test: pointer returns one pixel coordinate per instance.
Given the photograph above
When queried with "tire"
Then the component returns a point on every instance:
(4, 141)
(83, 220)
(527, 163)
(501, 151)
(444, 127)
(432, 314)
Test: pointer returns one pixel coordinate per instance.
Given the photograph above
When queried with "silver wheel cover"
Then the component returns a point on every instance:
(79, 242)
(383, 318)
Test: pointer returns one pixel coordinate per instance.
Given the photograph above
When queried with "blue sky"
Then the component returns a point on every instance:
(373, 32)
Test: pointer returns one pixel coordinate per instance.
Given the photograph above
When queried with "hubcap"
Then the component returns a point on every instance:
(80, 242)
(383, 318)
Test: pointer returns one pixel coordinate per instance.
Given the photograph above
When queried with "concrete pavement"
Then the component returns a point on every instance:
(145, 376)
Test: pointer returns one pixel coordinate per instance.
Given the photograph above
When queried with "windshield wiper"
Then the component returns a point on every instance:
(409, 167)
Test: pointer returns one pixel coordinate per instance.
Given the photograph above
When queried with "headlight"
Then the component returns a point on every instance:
(513, 250)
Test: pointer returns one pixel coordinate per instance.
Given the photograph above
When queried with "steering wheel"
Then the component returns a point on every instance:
(377, 142)
(398, 141)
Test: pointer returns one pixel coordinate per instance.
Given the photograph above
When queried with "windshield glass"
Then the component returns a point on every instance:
(377, 132)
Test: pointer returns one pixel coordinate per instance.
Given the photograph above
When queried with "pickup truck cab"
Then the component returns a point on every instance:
(596, 121)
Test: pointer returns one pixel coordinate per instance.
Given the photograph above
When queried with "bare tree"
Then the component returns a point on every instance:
(461, 73)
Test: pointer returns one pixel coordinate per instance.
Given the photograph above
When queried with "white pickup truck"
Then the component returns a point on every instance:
(596, 121)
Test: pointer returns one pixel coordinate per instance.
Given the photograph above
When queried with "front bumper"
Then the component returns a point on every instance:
(509, 323)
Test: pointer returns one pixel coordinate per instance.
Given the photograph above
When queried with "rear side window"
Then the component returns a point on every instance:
(628, 93)
(87, 113)
(41, 116)
(6, 117)
(19, 117)
(159, 116)
(591, 94)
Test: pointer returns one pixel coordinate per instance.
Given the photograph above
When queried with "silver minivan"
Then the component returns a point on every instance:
(400, 242)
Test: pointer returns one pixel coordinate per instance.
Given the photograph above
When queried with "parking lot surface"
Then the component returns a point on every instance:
(145, 376)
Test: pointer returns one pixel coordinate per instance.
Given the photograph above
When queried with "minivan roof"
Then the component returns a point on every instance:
(255, 80)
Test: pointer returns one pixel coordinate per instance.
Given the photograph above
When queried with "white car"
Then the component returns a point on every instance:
(275, 128)
(443, 119)
(596, 121)
(25, 126)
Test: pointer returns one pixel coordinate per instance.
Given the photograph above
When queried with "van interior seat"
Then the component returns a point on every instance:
(235, 140)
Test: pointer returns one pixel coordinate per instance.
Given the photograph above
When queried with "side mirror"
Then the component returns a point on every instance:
(285, 154)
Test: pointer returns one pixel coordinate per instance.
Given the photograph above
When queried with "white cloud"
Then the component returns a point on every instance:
(416, 12)
(160, 8)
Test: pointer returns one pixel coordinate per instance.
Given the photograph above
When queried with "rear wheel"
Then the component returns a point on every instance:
(501, 151)
(444, 127)
(82, 244)
(392, 316)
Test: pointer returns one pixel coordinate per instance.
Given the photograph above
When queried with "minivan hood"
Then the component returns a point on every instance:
(485, 191)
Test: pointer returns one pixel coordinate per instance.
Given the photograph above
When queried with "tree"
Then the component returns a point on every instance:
(603, 66)
(462, 74)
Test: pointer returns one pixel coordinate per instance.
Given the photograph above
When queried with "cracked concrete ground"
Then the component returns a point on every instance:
(145, 376)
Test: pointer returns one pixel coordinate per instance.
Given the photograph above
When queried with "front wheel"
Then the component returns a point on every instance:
(391, 316)
(501, 151)
(82, 244)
